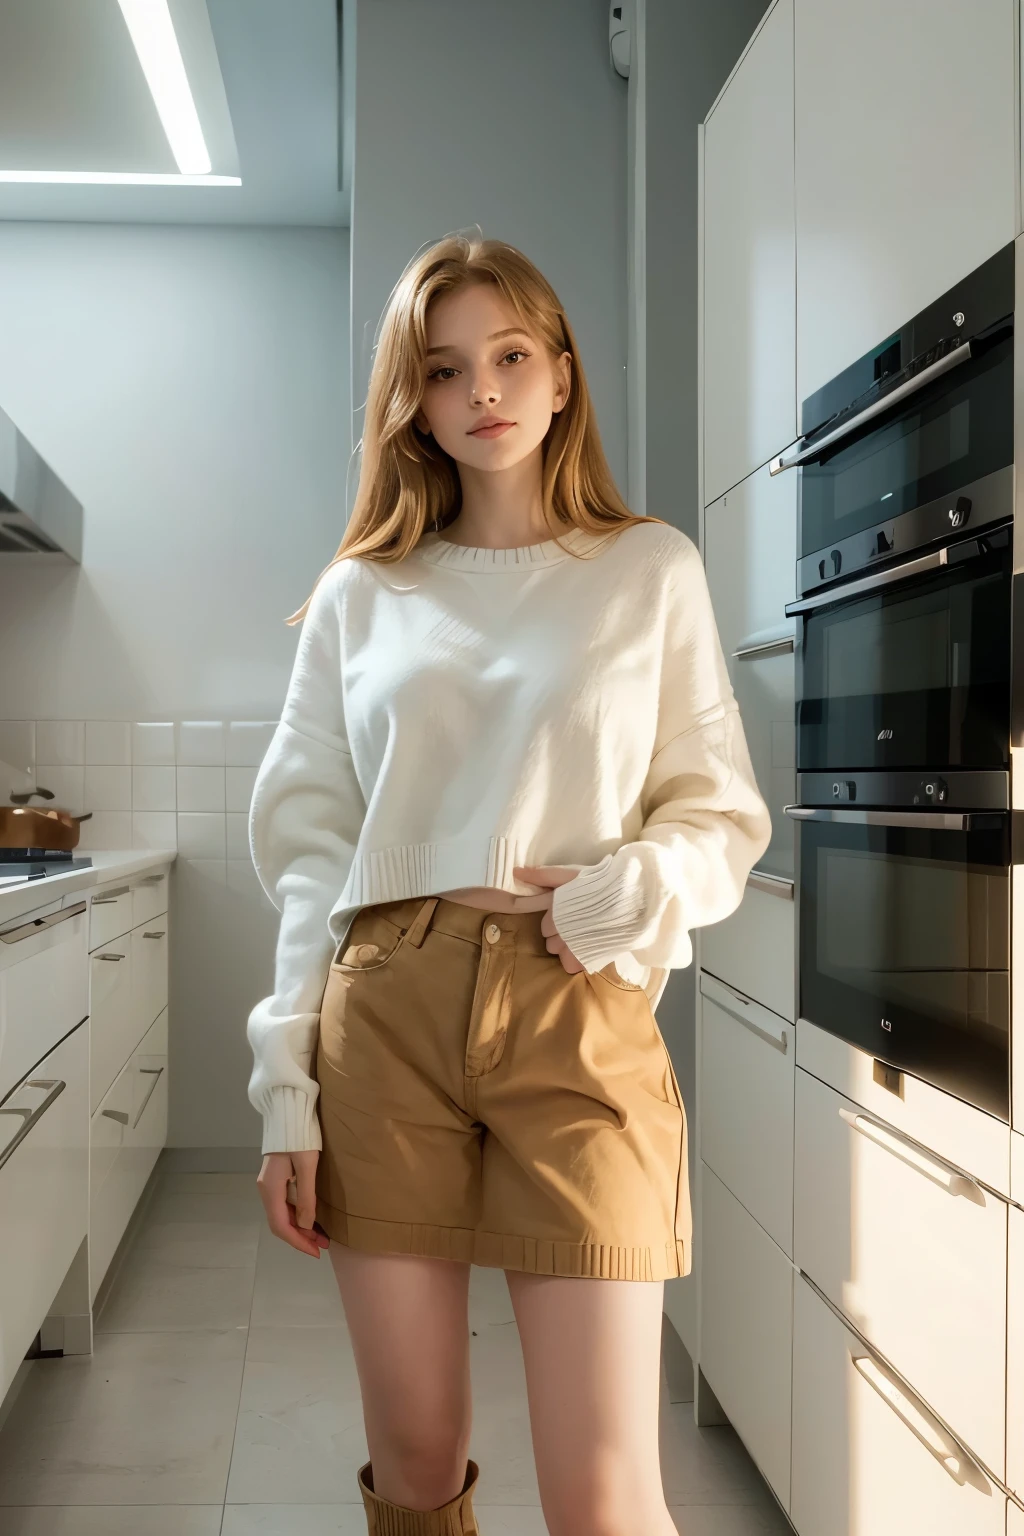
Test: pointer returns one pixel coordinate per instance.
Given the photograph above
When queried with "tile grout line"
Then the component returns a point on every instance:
(241, 1382)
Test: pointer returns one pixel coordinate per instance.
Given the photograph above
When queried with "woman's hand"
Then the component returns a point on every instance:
(294, 1224)
(551, 876)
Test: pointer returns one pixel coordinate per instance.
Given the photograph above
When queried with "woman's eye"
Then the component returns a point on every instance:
(516, 352)
(443, 370)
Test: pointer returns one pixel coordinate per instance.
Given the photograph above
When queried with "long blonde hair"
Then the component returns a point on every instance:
(407, 482)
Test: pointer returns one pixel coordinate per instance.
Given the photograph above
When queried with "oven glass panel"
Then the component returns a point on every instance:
(957, 430)
(904, 948)
(911, 676)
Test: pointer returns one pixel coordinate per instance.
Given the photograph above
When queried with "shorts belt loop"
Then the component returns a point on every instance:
(420, 925)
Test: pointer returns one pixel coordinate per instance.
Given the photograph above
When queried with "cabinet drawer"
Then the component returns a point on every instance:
(1014, 1520)
(44, 1191)
(110, 915)
(111, 1008)
(912, 1252)
(868, 1457)
(147, 1129)
(1015, 1357)
(753, 950)
(746, 1106)
(149, 972)
(746, 1328)
(107, 1126)
(44, 985)
(149, 897)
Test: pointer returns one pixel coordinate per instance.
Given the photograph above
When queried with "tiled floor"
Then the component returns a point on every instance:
(221, 1400)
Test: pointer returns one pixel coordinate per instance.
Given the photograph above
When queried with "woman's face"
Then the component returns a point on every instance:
(480, 365)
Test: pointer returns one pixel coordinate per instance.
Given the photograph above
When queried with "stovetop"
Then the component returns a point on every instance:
(20, 864)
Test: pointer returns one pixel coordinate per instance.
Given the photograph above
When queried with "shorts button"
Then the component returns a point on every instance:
(493, 933)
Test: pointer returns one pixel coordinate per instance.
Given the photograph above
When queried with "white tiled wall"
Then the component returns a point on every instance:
(183, 784)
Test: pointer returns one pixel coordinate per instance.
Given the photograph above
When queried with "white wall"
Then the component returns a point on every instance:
(506, 116)
(191, 386)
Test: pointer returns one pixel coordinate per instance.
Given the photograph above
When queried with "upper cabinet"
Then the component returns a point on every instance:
(905, 173)
(749, 262)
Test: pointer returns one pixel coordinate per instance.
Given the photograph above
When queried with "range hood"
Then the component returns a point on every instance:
(38, 514)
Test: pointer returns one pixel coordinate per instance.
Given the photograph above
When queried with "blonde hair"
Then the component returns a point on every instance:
(407, 482)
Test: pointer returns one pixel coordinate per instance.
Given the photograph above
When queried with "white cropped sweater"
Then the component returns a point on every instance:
(466, 710)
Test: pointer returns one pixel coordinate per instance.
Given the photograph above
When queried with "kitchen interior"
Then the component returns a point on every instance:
(789, 239)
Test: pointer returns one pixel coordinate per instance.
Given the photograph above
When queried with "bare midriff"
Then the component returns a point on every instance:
(492, 900)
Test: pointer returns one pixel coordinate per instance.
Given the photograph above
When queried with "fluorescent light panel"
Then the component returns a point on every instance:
(122, 178)
(152, 32)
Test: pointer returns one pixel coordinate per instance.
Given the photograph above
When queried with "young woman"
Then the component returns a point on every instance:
(509, 778)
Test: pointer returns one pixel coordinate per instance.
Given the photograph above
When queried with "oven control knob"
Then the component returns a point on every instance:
(837, 561)
(932, 792)
(959, 514)
(844, 789)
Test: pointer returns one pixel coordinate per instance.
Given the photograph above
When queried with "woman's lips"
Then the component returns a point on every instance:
(495, 431)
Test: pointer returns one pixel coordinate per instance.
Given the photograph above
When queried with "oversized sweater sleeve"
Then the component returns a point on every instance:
(304, 821)
(704, 825)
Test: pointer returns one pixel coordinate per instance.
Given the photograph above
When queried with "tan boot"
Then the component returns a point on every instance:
(456, 1518)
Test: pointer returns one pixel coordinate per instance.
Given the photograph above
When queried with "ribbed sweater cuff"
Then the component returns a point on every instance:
(598, 914)
(289, 1121)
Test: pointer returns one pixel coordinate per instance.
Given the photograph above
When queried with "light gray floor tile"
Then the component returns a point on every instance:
(293, 1290)
(114, 1520)
(705, 1466)
(146, 1419)
(489, 1301)
(241, 1185)
(158, 1289)
(300, 1433)
(294, 1520)
(501, 1442)
(730, 1520)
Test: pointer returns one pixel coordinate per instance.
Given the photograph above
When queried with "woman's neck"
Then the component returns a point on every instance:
(501, 509)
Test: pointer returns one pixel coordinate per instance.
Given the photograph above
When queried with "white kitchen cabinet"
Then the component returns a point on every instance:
(149, 896)
(912, 1252)
(149, 971)
(110, 914)
(747, 1069)
(44, 1190)
(869, 1458)
(111, 1012)
(44, 985)
(1014, 1519)
(753, 949)
(1015, 1355)
(746, 1321)
(749, 261)
(905, 163)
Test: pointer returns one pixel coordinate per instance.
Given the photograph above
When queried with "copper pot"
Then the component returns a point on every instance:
(36, 826)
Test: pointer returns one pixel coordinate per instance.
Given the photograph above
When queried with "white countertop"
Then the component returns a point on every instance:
(107, 865)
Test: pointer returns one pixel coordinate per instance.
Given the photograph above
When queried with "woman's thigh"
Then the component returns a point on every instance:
(408, 1321)
(592, 1351)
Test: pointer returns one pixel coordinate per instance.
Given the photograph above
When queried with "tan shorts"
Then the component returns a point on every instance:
(479, 1103)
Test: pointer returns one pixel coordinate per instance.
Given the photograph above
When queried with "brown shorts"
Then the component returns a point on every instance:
(479, 1103)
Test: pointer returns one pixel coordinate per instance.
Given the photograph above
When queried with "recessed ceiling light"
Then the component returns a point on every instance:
(122, 178)
(152, 32)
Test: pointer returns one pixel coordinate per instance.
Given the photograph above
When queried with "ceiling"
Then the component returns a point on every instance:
(265, 78)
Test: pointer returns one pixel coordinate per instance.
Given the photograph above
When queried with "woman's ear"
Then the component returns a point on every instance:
(421, 423)
(563, 380)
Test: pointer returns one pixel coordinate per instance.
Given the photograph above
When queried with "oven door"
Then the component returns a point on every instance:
(904, 935)
(910, 672)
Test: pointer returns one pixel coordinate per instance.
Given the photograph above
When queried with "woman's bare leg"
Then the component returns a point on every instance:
(408, 1320)
(592, 1350)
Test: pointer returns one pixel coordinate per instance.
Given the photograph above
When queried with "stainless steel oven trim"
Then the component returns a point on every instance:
(933, 561)
(806, 450)
(943, 821)
(961, 789)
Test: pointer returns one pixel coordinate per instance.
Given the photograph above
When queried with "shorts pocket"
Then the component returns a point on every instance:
(610, 973)
(372, 943)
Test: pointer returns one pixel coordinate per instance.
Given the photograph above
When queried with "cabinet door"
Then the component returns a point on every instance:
(149, 973)
(905, 164)
(746, 1328)
(750, 262)
(1014, 1520)
(869, 1458)
(747, 1058)
(1015, 1357)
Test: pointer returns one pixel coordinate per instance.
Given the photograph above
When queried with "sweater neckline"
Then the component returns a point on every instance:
(523, 557)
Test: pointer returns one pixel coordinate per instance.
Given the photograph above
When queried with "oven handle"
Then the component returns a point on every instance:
(805, 450)
(945, 821)
(916, 567)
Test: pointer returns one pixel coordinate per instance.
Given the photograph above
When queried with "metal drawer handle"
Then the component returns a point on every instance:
(734, 1004)
(157, 935)
(152, 879)
(26, 930)
(155, 1073)
(775, 642)
(805, 450)
(110, 957)
(953, 1458)
(110, 897)
(31, 1116)
(772, 885)
(946, 821)
(948, 1178)
(120, 1115)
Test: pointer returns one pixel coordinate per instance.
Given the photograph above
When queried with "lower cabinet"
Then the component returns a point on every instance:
(746, 1329)
(44, 1191)
(1014, 1519)
(869, 1459)
(753, 949)
(1015, 1356)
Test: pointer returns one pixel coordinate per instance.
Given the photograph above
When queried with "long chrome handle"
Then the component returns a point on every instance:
(110, 896)
(154, 1072)
(751, 1015)
(772, 642)
(110, 956)
(32, 1116)
(805, 450)
(152, 879)
(38, 924)
(947, 1177)
(157, 935)
(951, 1457)
(944, 821)
(868, 584)
(772, 885)
(120, 1115)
